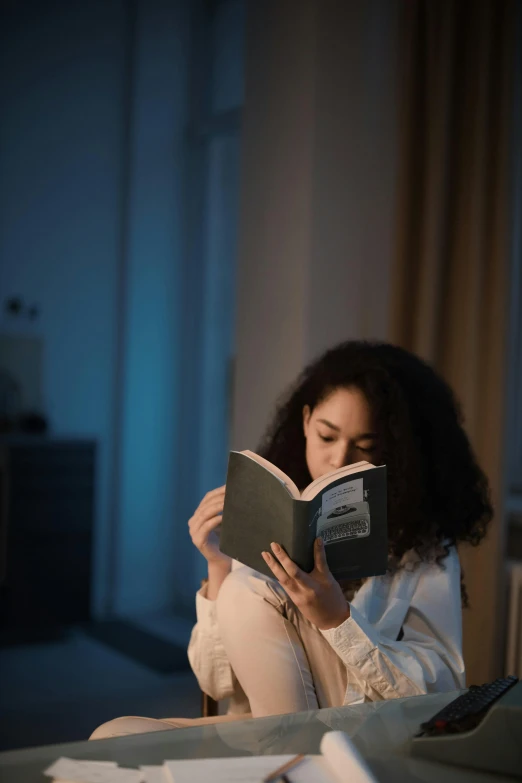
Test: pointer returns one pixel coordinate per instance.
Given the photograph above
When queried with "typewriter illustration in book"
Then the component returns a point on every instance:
(345, 522)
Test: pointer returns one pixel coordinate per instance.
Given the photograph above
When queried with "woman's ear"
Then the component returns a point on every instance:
(307, 412)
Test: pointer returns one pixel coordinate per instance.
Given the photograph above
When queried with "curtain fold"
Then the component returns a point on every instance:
(450, 297)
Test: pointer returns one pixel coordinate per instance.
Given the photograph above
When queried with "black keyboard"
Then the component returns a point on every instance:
(465, 712)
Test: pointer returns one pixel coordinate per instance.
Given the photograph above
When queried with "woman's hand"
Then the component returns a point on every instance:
(203, 524)
(317, 595)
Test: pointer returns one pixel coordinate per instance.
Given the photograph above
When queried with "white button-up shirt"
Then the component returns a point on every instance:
(424, 601)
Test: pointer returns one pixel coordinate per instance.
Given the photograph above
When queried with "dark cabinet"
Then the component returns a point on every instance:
(47, 513)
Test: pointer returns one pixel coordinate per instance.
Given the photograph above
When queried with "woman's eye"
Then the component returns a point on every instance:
(369, 450)
(326, 438)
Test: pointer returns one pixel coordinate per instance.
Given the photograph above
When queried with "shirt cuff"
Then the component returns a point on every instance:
(205, 608)
(354, 639)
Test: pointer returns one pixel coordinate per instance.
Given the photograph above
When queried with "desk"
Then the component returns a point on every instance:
(380, 730)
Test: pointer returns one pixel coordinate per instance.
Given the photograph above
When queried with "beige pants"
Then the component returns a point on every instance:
(282, 662)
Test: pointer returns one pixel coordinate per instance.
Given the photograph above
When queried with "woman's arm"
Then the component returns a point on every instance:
(423, 610)
(206, 653)
(217, 573)
(428, 657)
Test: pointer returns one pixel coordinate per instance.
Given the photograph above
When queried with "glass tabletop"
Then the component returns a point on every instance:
(381, 731)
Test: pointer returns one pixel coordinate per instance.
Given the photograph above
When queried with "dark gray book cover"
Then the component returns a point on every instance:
(350, 513)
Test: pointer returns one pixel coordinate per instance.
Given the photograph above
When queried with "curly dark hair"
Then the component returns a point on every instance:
(437, 494)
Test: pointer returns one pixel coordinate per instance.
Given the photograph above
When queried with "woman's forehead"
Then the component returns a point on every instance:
(344, 406)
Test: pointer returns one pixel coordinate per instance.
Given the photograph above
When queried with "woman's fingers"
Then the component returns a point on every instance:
(201, 534)
(212, 504)
(211, 524)
(202, 524)
(210, 509)
(215, 496)
(210, 497)
(320, 562)
(202, 515)
(276, 568)
(290, 568)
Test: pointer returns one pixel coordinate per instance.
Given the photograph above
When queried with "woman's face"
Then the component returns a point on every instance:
(339, 431)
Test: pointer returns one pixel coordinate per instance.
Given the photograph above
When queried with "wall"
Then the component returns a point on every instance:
(319, 127)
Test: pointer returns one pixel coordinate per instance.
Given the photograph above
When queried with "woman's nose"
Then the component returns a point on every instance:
(342, 456)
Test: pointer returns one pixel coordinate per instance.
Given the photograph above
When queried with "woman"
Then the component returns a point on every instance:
(297, 643)
(300, 641)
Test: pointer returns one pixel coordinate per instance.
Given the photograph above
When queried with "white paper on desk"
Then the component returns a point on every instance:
(50, 771)
(154, 774)
(91, 772)
(242, 769)
(344, 760)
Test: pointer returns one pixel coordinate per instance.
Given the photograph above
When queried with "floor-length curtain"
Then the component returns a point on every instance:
(450, 289)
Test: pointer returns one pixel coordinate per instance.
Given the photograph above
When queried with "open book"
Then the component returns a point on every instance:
(347, 508)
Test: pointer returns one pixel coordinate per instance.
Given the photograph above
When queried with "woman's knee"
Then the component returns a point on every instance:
(242, 593)
(120, 727)
(234, 593)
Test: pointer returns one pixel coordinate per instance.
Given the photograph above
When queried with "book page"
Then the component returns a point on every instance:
(275, 471)
(345, 514)
(319, 484)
